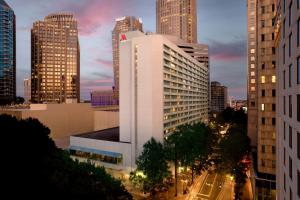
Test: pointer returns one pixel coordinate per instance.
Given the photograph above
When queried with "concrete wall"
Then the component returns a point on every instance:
(105, 120)
(64, 120)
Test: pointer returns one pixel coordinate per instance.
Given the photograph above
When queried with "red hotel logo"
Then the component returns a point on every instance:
(123, 37)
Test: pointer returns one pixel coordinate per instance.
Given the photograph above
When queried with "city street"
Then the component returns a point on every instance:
(211, 186)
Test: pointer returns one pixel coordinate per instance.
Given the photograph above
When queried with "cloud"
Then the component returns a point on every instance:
(227, 52)
(106, 63)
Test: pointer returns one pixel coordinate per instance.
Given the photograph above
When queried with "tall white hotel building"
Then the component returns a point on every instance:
(161, 87)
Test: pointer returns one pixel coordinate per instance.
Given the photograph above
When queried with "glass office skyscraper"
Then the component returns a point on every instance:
(7, 53)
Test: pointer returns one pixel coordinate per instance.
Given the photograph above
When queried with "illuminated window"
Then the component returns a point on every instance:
(252, 51)
(252, 88)
(263, 79)
(252, 66)
(252, 58)
(252, 80)
(262, 107)
(252, 73)
(273, 79)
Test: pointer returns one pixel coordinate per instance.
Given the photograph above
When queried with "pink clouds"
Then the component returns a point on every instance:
(93, 14)
(228, 52)
(106, 63)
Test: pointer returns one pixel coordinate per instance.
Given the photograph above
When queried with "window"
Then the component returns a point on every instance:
(298, 70)
(262, 163)
(298, 176)
(283, 29)
(262, 10)
(273, 7)
(273, 107)
(290, 13)
(262, 23)
(252, 73)
(273, 64)
(290, 45)
(262, 107)
(263, 66)
(273, 164)
(283, 54)
(263, 120)
(273, 50)
(284, 156)
(263, 148)
(290, 137)
(252, 51)
(290, 106)
(263, 79)
(298, 107)
(273, 93)
(273, 121)
(273, 79)
(290, 75)
(273, 36)
(262, 37)
(298, 32)
(252, 80)
(291, 168)
(252, 103)
(284, 130)
(283, 79)
(298, 145)
(273, 150)
(284, 103)
(252, 66)
(263, 93)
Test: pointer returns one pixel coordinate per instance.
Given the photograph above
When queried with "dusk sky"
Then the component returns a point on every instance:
(221, 24)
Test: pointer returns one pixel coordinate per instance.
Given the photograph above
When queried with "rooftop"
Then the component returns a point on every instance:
(111, 134)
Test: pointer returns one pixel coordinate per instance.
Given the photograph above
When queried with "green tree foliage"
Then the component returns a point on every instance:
(34, 165)
(19, 100)
(152, 167)
(192, 145)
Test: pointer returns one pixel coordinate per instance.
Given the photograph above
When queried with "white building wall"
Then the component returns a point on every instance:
(116, 147)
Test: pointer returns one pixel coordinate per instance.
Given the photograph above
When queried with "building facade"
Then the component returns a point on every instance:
(161, 88)
(177, 17)
(55, 59)
(288, 99)
(123, 25)
(262, 95)
(27, 90)
(103, 98)
(7, 53)
(219, 97)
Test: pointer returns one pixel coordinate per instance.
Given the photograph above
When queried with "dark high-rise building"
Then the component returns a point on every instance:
(219, 97)
(7, 53)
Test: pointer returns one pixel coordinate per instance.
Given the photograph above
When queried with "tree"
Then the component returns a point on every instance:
(192, 145)
(35, 166)
(152, 167)
(19, 100)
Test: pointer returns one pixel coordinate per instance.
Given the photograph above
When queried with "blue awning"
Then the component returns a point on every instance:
(96, 151)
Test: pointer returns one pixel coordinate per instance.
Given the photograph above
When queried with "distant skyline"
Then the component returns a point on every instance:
(222, 26)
